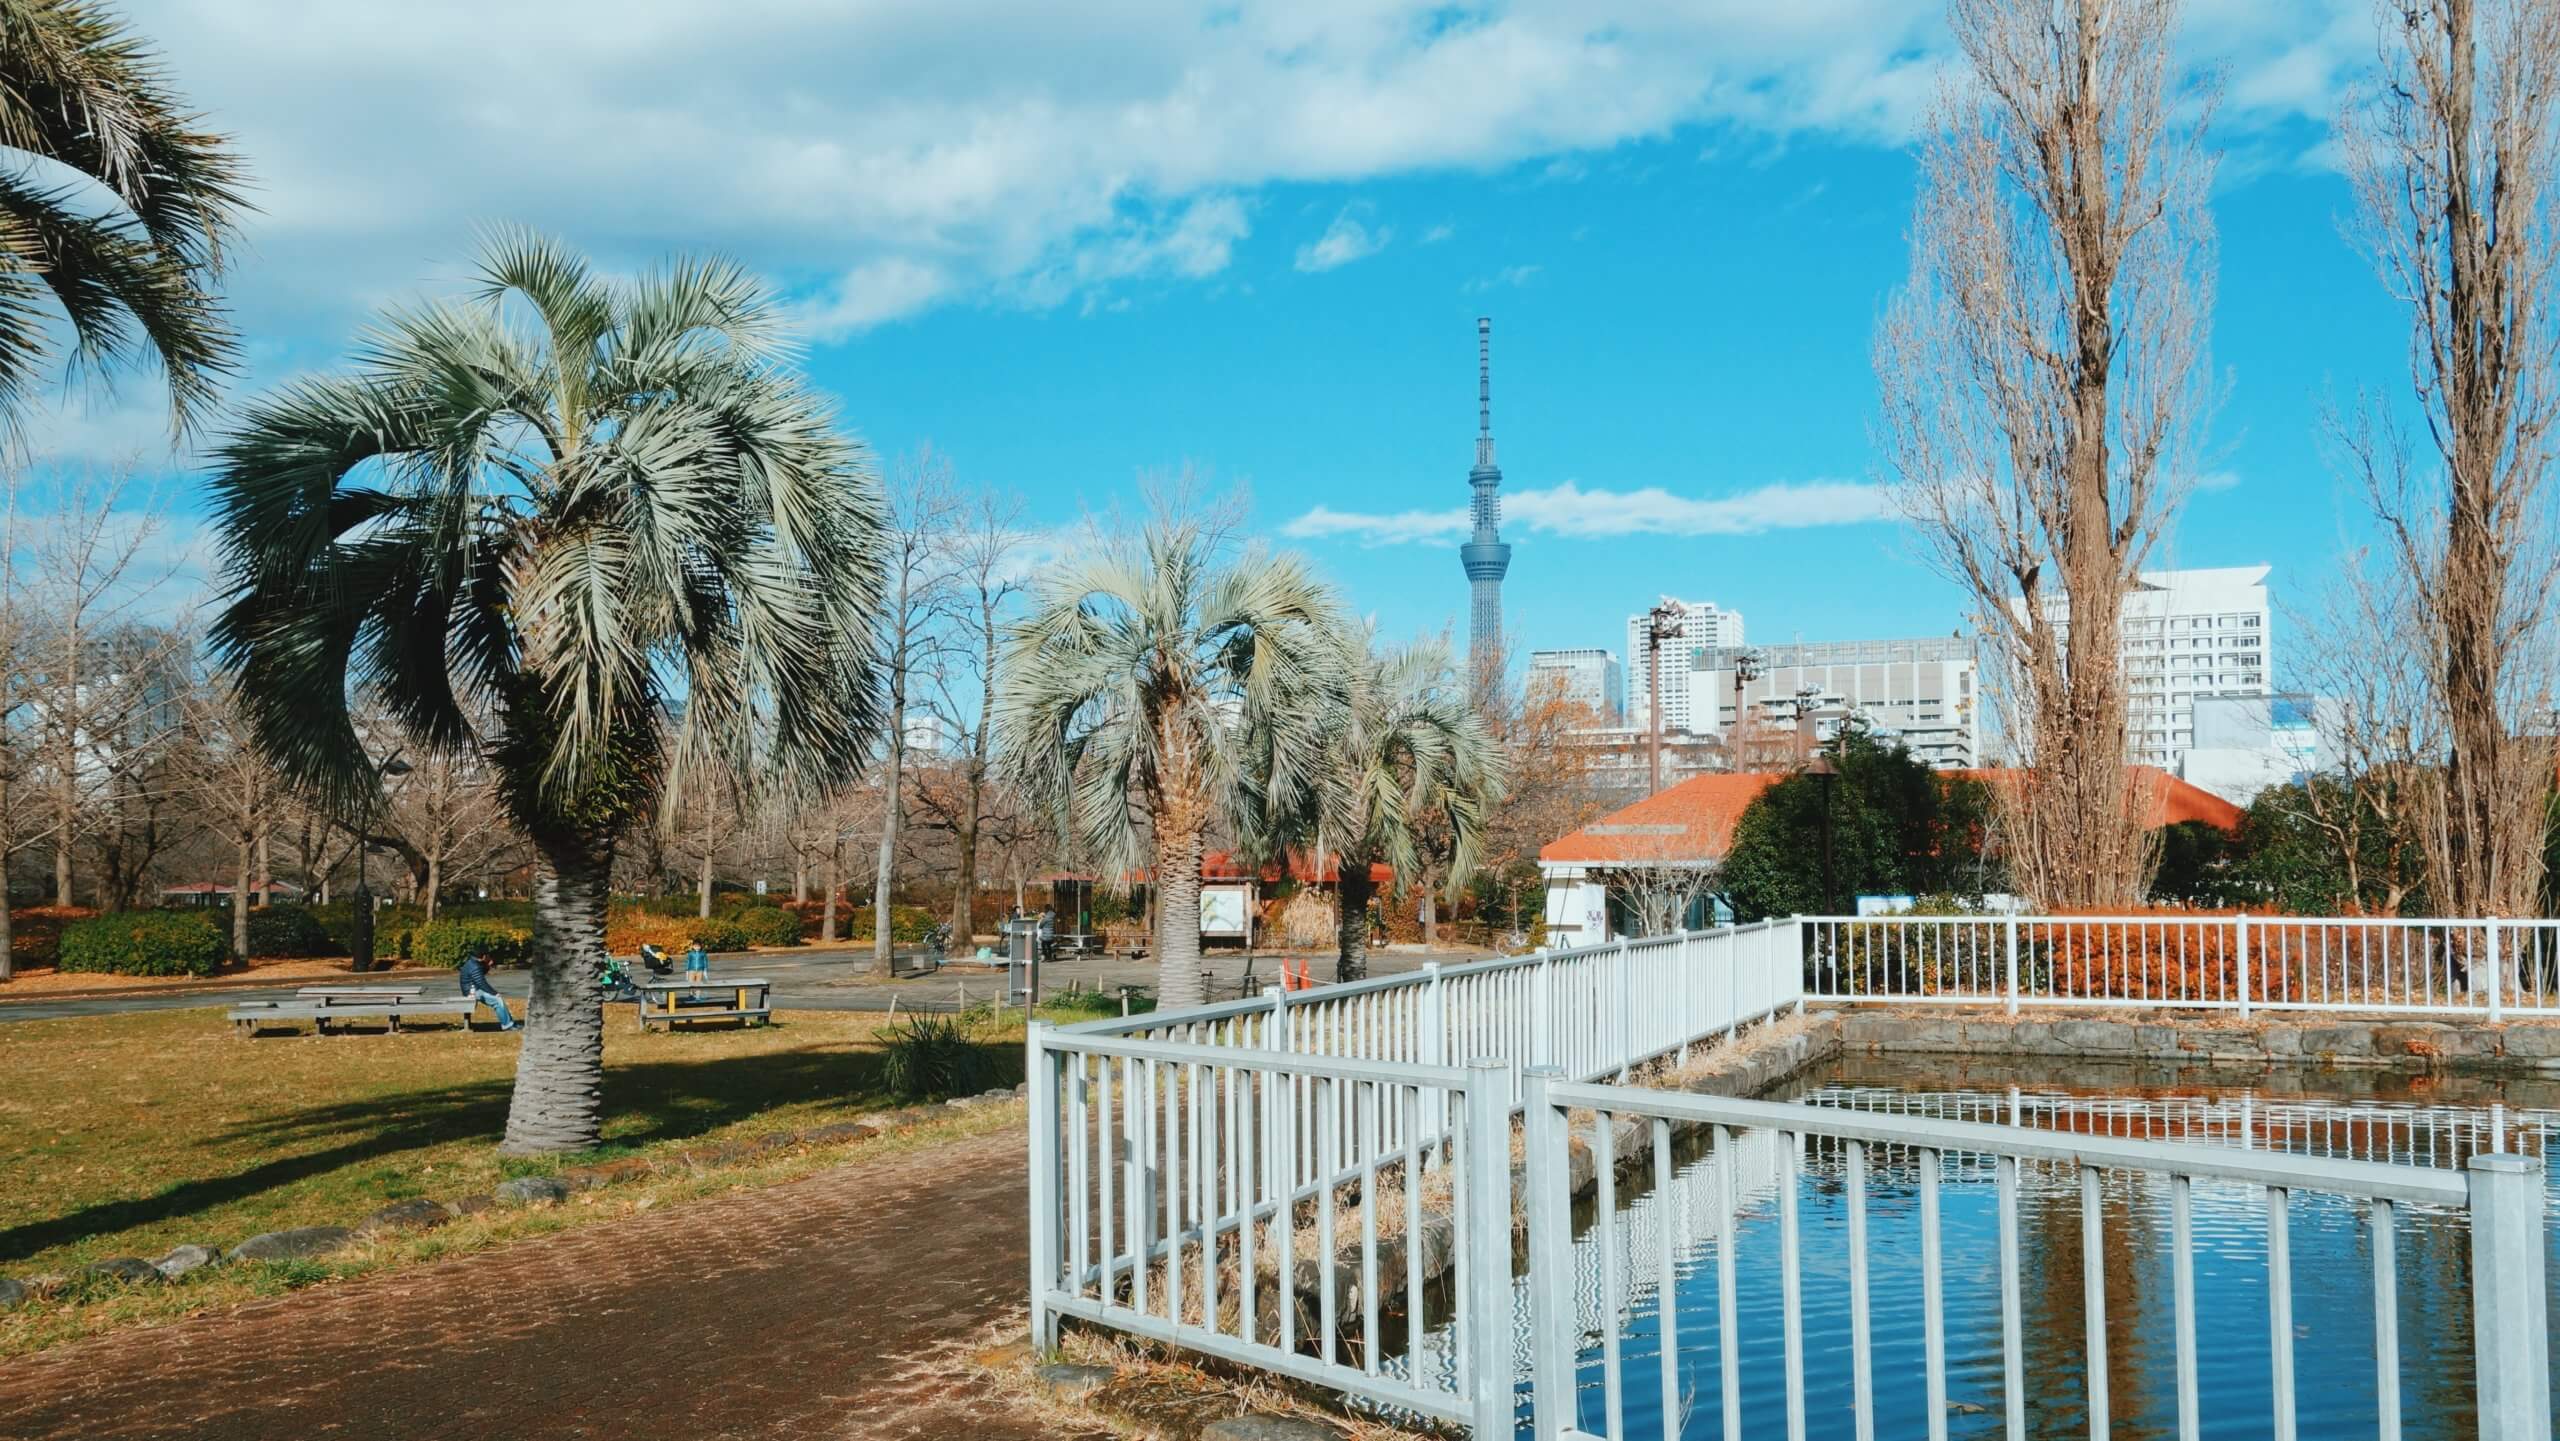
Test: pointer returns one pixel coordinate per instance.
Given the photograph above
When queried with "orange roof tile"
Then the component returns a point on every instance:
(1694, 820)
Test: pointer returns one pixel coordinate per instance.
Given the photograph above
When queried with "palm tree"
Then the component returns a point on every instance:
(1414, 776)
(604, 515)
(1152, 683)
(128, 253)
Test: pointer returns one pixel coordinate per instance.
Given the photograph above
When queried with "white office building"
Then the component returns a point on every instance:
(2245, 744)
(1697, 627)
(2191, 635)
(1921, 692)
(1587, 677)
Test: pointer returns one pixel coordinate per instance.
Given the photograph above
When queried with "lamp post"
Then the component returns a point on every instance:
(1823, 769)
(1661, 623)
(1746, 669)
(360, 929)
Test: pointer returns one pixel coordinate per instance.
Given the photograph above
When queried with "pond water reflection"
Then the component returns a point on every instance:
(2324, 1113)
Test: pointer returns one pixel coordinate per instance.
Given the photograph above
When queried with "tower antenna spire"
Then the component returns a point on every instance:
(1484, 390)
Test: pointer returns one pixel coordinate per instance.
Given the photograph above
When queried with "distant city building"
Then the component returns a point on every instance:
(929, 737)
(1698, 627)
(1587, 677)
(2244, 744)
(1484, 557)
(1618, 759)
(1921, 692)
(2189, 635)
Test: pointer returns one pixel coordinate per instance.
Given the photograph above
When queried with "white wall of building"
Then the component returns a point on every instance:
(1588, 677)
(1922, 692)
(1703, 625)
(2190, 635)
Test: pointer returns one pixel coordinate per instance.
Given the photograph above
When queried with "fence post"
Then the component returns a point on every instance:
(1548, 1199)
(2012, 928)
(1043, 1088)
(1275, 1037)
(1542, 1024)
(2510, 1316)
(1624, 1041)
(2240, 966)
(1431, 1049)
(2497, 975)
(1733, 987)
(1793, 974)
(1484, 1200)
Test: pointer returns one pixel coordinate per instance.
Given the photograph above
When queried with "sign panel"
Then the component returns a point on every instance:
(1224, 910)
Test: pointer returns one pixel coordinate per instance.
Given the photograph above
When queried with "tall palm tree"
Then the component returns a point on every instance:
(1150, 684)
(605, 515)
(133, 277)
(1413, 776)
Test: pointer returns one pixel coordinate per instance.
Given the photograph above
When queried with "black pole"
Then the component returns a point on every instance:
(360, 925)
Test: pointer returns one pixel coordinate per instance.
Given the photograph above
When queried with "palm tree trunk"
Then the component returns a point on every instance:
(558, 1102)
(1177, 879)
(1351, 918)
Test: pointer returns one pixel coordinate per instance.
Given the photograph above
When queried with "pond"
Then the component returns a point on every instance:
(2346, 1115)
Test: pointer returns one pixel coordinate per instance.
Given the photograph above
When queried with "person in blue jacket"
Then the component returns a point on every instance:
(474, 976)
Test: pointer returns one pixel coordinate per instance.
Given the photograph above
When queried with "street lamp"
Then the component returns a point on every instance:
(1822, 768)
(1746, 669)
(1661, 623)
(360, 930)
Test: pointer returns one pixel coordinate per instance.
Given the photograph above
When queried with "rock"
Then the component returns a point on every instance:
(300, 1243)
(532, 1191)
(776, 1141)
(2111, 1038)
(1269, 1428)
(839, 1133)
(1022, 1088)
(1000, 1093)
(417, 1213)
(2531, 1043)
(13, 1294)
(185, 1260)
(718, 1153)
(2337, 1040)
(1075, 1382)
(474, 1205)
(122, 1268)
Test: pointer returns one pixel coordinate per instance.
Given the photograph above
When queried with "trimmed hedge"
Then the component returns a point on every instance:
(442, 942)
(769, 926)
(287, 931)
(145, 943)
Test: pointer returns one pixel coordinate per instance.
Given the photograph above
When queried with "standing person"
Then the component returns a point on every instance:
(474, 977)
(697, 966)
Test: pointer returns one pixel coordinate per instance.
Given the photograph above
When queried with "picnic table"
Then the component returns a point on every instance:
(324, 1006)
(671, 1003)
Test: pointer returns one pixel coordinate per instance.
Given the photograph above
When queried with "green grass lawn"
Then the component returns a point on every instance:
(128, 1135)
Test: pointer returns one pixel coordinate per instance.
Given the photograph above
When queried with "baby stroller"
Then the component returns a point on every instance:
(614, 979)
(656, 960)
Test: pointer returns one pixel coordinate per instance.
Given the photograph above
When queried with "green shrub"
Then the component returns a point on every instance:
(145, 943)
(768, 926)
(717, 934)
(925, 1057)
(443, 942)
(288, 931)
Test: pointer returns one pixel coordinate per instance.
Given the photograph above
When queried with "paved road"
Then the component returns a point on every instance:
(813, 979)
(826, 1307)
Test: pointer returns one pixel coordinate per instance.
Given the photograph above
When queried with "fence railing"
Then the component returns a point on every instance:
(2500, 1197)
(2242, 963)
(1298, 1182)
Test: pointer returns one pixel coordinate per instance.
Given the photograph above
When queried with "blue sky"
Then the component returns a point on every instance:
(1074, 246)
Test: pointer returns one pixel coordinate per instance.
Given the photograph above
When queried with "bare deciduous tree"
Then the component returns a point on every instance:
(2454, 158)
(984, 556)
(914, 584)
(2043, 376)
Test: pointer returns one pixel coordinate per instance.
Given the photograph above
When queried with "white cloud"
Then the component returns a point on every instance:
(2213, 480)
(1437, 233)
(1343, 242)
(876, 291)
(1571, 512)
(889, 157)
(1509, 277)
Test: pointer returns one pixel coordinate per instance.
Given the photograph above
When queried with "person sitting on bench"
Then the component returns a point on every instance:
(474, 976)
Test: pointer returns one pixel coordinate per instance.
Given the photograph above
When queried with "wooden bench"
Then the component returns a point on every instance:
(667, 1003)
(323, 1012)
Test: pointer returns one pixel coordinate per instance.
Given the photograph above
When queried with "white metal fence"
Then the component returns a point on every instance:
(1295, 1182)
(2241, 963)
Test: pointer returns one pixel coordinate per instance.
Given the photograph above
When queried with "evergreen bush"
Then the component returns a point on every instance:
(145, 943)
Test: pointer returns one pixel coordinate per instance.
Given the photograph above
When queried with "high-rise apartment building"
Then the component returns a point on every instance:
(1587, 677)
(2190, 635)
(1921, 692)
(1695, 627)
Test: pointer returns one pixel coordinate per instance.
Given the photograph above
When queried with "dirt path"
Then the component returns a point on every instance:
(811, 1309)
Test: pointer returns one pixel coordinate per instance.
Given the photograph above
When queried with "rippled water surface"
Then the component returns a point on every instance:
(2364, 1117)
